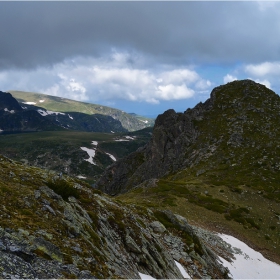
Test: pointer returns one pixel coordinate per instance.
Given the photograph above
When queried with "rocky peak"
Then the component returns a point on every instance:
(237, 122)
(8, 102)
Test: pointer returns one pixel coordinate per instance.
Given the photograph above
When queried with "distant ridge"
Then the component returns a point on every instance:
(54, 103)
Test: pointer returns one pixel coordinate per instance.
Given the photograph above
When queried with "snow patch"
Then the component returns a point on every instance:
(81, 177)
(144, 121)
(41, 101)
(70, 117)
(129, 137)
(112, 131)
(145, 276)
(111, 156)
(12, 111)
(42, 113)
(29, 103)
(121, 140)
(23, 107)
(183, 271)
(1, 130)
(91, 154)
(45, 113)
(95, 143)
(248, 263)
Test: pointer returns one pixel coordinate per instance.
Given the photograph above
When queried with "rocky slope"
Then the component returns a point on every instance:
(235, 131)
(53, 103)
(58, 227)
(216, 164)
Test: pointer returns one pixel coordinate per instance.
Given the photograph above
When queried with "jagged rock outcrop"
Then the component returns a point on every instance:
(56, 227)
(228, 133)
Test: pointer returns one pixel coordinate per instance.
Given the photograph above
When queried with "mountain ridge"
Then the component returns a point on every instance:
(54, 103)
(219, 160)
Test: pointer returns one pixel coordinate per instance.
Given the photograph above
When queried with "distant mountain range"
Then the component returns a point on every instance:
(80, 115)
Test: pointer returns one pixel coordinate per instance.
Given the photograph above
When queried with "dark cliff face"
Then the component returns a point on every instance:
(8, 102)
(231, 128)
(14, 118)
(173, 135)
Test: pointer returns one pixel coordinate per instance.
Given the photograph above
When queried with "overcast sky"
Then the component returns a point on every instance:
(142, 57)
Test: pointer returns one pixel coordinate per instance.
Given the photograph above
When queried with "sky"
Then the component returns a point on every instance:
(142, 57)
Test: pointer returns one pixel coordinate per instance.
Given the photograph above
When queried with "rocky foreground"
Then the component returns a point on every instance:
(54, 227)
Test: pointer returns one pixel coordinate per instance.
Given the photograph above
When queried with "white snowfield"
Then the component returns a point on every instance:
(95, 143)
(91, 154)
(1, 130)
(183, 271)
(144, 121)
(180, 267)
(111, 156)
(45, 113)
(29, 103)
(70, 117)
(127, 138)
(248, 263)
(81, 177)
(121, 140)
(12, 111)
(42, 100)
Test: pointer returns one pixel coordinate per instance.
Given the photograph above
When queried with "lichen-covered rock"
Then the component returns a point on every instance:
(86, 234)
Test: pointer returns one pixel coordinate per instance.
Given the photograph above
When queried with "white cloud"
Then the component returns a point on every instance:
(203, 84)
(264, 82)
(229, 78)
(173, 92)
(179, 76)
(122, 76)
(263, 69)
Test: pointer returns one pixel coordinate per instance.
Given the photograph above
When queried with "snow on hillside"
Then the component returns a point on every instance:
(91, 154)
(127, 138)
(111, 156)
(29, 103)
(12, 111)
(81, 177)
(95, 143)
(180, 267)
(45, 113)
(248, 263)
(41, 101)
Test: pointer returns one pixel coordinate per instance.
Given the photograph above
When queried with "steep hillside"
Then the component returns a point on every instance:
(58, 227)
(218, 162)
(14, 118)
(54, 103)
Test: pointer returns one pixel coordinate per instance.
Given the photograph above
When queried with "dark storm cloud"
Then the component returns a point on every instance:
(39, 33)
